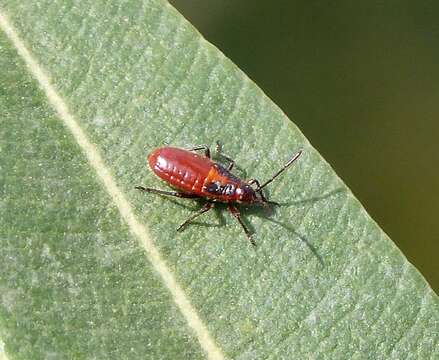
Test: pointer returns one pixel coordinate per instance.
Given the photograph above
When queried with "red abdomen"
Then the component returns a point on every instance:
(182, 169)
(194, 174)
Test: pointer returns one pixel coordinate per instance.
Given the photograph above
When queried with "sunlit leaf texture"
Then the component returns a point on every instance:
(76, 283)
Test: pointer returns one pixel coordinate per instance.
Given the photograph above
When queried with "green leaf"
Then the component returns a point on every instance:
(91, 268)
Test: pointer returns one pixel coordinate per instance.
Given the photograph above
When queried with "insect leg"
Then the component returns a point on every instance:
(235, 212)
(254, 181)
(206, 207)
(202, 147)
(264, 199)
(219, 153)
(164, 192)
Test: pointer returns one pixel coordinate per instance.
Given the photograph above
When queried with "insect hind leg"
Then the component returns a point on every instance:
(206, 207)
(167, 193)
(202, 147)
(219, 153)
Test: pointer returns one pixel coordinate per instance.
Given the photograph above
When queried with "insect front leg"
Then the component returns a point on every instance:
(236, 214)
(206, 207)
(254, 181)
(202, 147)
(166, 193)
(219, 153)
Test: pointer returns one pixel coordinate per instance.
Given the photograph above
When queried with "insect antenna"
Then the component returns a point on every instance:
(283, 168)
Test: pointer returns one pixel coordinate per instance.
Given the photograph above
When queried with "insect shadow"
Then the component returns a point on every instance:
(218, 210)
(312, 200)
(267, 212)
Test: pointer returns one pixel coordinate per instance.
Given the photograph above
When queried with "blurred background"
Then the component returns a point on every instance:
(361, 80)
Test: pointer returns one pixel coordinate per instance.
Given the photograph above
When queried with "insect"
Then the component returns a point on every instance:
(197, 176)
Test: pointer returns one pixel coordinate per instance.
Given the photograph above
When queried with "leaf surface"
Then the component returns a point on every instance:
(78, 281)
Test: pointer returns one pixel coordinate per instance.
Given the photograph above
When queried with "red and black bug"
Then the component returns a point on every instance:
(197, 176)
